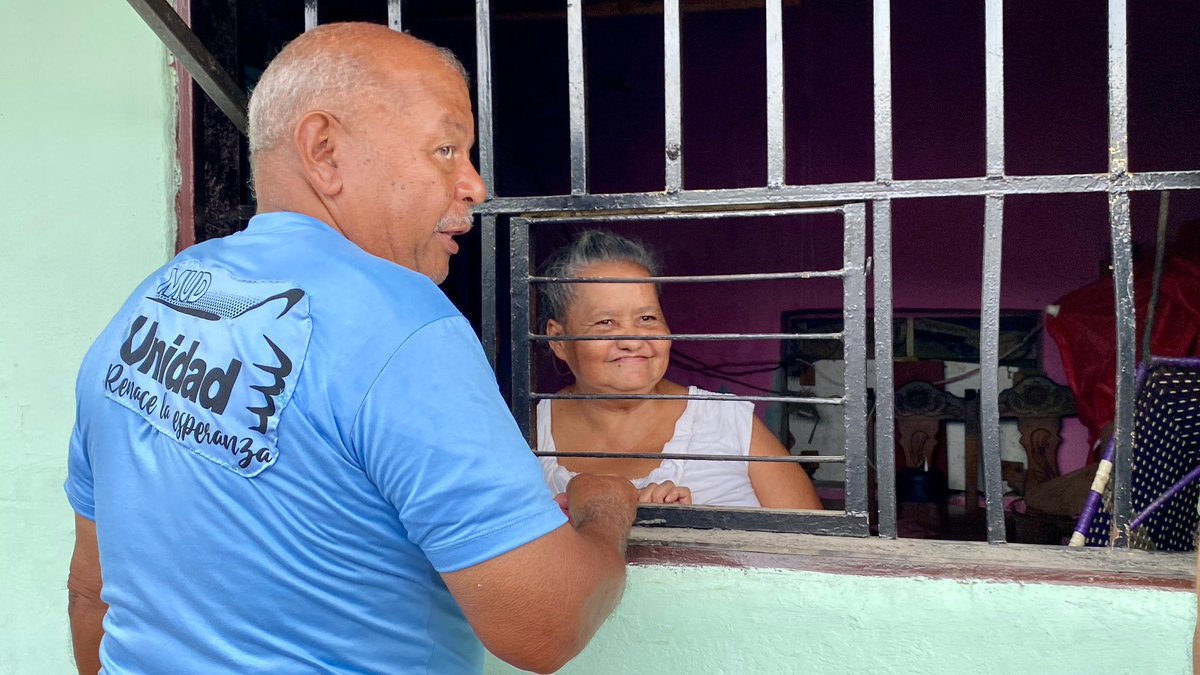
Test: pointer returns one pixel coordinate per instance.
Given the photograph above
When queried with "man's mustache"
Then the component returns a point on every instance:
(450, 223)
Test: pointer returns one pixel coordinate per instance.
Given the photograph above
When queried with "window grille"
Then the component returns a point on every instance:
(850, 200)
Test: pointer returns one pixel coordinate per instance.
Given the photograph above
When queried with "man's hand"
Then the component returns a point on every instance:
(666, 492)
(610, 500)
(537, 606)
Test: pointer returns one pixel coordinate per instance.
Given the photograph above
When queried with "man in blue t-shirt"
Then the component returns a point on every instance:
(290, 454)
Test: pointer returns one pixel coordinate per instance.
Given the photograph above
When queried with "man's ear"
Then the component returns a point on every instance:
(555, 328)
(316, 140)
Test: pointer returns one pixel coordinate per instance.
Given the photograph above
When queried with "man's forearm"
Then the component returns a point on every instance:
(603, 519)
(609, 542)
(87, 630)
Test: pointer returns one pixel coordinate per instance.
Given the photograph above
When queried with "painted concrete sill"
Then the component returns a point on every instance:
(912, 558)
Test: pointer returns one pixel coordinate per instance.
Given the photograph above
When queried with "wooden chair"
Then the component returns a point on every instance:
(1036, 402)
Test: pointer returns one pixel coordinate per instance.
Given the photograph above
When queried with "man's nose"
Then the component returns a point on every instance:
(470, 186)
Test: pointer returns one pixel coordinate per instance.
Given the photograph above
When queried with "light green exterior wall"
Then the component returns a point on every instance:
(86, 114)
(712, 620)
(87, 171)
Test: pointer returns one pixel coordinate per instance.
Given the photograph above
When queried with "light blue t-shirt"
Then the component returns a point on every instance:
(283, 441)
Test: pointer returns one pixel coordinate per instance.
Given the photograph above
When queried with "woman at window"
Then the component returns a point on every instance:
(637, 366)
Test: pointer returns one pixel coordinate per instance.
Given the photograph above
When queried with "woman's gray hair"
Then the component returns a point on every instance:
(591, 247)
(304, 75)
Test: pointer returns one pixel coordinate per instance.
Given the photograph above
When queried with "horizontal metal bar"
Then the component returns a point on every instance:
(813, 400)
(689, 337)
(195, 58)
(754, 520)
(693, 279)
(630, 203)
(617, 216)
(790, 459)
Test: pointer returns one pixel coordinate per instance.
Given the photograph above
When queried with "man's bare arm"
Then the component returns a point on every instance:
(84, 606)
(537, 607)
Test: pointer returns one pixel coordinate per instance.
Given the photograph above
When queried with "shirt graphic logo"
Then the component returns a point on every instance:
(182, 364)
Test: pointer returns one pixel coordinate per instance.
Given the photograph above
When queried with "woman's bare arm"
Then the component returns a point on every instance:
(776, 484)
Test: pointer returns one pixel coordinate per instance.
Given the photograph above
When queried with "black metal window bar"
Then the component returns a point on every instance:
(674, 201)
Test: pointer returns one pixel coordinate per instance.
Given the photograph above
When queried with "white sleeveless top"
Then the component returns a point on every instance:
(704, 428)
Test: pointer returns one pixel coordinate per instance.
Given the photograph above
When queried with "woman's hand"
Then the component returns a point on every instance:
(665, 492)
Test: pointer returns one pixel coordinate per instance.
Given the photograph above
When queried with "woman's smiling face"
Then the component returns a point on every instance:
(629, 366)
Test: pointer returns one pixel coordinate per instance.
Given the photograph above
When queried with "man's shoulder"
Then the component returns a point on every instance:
(343, 282)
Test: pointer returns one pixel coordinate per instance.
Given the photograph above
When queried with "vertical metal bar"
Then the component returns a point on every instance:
(1118, 92)
(577, 89)
(994, 76)
(1160, 251)
(776, 140)
(882, 46)
(519, 281)
(1122, 254)
(1122, 270)
(1126, 360)
(885, 389)
(1122, 250)
(310, 14)
(854, 317)
(483, 83)
(993, 245)
(673, 94)
(487, 255)
(394, 15)
(989, 366)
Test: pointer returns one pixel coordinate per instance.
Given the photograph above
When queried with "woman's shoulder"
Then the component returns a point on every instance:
(717, 415)
(713, 405)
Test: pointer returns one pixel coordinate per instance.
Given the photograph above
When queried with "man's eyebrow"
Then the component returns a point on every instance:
(452, 125)
(450, 122)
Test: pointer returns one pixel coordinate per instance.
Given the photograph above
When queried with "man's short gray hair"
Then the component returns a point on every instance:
(592, 247)
(303, 75)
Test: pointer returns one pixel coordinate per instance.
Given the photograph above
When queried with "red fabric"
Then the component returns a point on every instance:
(1085, 328)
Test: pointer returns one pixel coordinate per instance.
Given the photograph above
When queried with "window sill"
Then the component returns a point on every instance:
(1021, 563)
